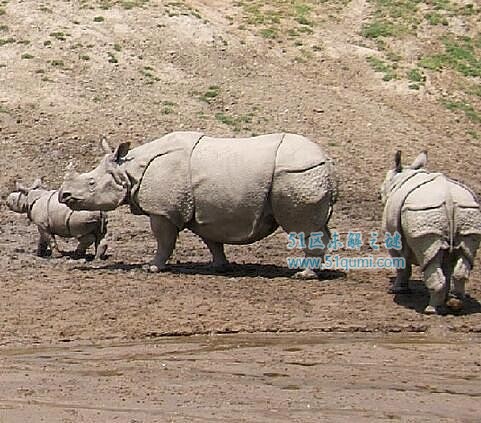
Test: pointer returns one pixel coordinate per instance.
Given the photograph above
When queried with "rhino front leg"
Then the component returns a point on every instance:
(43, 243)
(219, 260)
(436, 283)
(165, 232)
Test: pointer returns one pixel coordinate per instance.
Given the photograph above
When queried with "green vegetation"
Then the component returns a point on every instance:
(212, 92)
(4, 41)
(112, 58)
(99, 19)
(380, 66)
(462, 54)
(59, 35)
(236, 122)
(27, 56)
(465, 107)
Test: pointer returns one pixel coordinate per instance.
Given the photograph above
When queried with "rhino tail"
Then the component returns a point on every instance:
(450, 211)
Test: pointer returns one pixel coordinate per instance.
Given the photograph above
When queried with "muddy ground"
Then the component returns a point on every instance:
(106, 341)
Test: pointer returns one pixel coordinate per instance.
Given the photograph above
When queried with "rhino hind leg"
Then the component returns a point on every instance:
(437, 285)
(219, 260)
(84, 242)
(165, 232)
(312, 273)
(401, 283)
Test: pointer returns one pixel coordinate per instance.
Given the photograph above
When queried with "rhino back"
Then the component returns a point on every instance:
(231, 181)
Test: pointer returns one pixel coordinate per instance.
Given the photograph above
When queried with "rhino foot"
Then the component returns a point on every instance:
(454, 303)
(306, 274)
(153, 268)
(431, 310)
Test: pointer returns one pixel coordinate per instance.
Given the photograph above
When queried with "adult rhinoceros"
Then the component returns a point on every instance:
(440, 223)
(226, 190)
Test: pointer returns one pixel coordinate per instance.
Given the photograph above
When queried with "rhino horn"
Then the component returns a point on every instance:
(420, 161)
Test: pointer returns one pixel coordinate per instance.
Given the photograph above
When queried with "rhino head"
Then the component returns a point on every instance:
(104, 188)
(17, 200)
(399, 171)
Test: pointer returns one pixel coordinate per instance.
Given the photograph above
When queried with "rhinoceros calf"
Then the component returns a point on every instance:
(228, 191)
(440, 223)
(53, 218)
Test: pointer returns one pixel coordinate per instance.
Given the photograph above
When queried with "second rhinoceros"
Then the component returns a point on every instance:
(440, 223)
(55, 219)
(226, 190)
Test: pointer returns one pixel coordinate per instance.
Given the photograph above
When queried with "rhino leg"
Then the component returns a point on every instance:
(460, 276)
(401, 284)
(165, 233)
(219, 260)
(101, 249)
(436, 283)
(84, 242)
(308, 273)
(43, 243)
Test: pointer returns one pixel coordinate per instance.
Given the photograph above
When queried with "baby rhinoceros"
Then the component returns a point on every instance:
(53, 218)
(439, 220)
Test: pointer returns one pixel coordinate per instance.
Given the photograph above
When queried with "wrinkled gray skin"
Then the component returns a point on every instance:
(442, 239)
(110, 184)
(55, 219)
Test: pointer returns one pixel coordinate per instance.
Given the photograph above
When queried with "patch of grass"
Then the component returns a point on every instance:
(4, 41)
(84, 57)
(99, 19)
(436, 19)
(2, 11)
(130, 4)
(27, 56)
(3, 28)
(379, 65)
(461, 54)
(416, 75)
(47, 43)
(269, 32)
(212, 92)
(3, 109)
(378, 29)
(468, 109)
(117, 47)
(57, 63)
(236, 122)
(59, 35)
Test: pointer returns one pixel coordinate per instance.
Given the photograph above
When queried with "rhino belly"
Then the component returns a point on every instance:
(231, 182)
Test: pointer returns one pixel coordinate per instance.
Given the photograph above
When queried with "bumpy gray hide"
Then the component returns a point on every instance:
(231, 190)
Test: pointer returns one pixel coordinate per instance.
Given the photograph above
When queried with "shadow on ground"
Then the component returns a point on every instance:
(418, 297)
(232, 270)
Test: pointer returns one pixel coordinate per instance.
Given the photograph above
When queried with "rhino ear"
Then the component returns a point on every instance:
(397, 161)
(37, 183)
(21, 188)
(105, 145)
(121, 151)
(420, 161)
